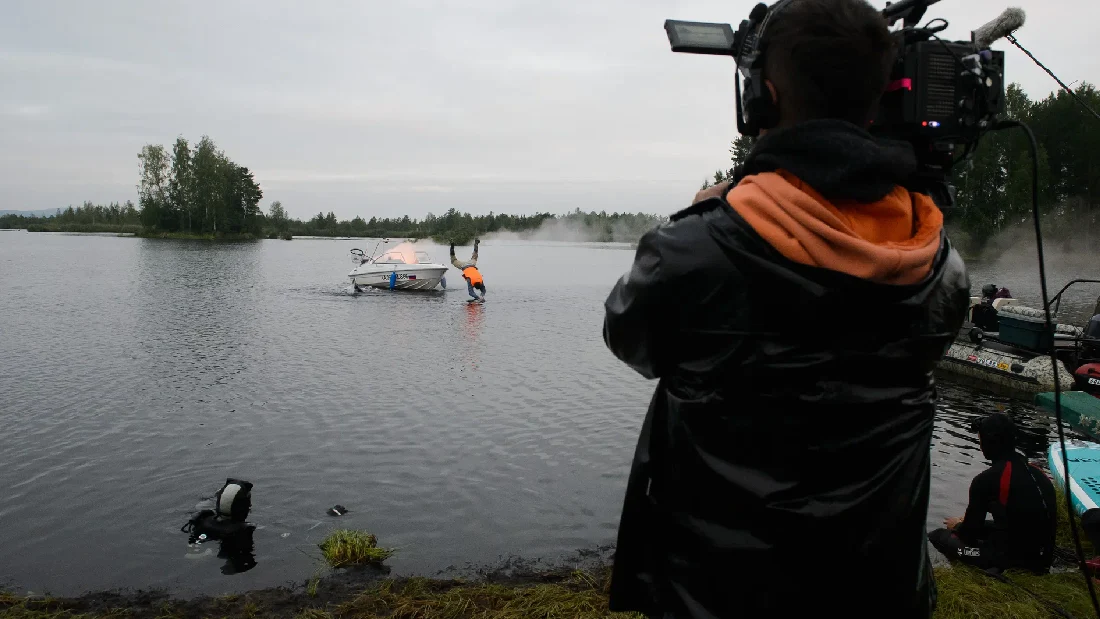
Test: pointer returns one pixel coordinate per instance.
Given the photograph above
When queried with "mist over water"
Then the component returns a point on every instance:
(139, 374)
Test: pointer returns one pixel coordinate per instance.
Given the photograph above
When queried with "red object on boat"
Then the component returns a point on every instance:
(1088, 378)
(1093, 564)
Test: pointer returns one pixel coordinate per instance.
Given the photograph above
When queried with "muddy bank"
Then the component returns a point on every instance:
(514, 588)
(518, 590)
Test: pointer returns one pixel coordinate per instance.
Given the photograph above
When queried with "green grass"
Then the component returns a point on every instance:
(419, 598)
(967, 592)
(963, 593)
(348, 547)
(1064, 538)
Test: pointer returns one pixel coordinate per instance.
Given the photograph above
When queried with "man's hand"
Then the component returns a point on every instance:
(951, 523)
(717, 191)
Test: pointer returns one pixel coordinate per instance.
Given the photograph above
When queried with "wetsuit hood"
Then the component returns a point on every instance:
(998, 435)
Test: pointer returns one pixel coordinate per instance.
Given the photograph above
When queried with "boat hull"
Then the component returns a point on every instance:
(406, 279)
(1001, 368)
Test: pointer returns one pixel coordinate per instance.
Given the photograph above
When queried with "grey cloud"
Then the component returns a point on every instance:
(382, 108)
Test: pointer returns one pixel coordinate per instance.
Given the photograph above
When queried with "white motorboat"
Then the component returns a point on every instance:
(399, 268)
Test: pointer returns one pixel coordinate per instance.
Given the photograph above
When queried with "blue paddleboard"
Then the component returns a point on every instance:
(1084, 472)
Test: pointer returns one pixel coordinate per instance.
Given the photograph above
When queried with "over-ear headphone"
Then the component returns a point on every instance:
(755, 108)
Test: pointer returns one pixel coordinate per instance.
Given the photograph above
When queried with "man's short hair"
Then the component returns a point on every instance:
(829, 59)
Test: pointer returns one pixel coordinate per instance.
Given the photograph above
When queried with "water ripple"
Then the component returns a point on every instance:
(136, 383)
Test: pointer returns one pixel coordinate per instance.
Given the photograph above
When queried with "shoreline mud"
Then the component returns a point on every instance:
(517, 589)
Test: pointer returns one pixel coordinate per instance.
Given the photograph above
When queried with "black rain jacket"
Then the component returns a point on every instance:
(783, 466)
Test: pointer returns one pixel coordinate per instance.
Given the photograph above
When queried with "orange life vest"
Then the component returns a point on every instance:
(472, 275)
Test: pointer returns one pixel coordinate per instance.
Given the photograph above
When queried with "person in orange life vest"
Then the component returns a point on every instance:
(474, 281)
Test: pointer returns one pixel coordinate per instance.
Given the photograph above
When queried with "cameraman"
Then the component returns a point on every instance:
(794, 323)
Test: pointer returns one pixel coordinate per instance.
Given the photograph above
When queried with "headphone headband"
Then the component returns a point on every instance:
(756, 110)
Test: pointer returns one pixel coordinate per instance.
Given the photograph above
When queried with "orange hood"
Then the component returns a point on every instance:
(891, 241)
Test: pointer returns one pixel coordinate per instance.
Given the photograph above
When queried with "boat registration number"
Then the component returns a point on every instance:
(1094, 381)
(991, 363)
(400, 276)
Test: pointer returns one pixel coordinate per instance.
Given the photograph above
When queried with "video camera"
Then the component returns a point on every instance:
(942, 95)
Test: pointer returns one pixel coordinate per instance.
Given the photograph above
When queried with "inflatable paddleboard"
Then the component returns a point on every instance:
(1084, 472)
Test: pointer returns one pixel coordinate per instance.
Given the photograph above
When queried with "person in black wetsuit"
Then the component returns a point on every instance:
(984, 315)
(1021, 500)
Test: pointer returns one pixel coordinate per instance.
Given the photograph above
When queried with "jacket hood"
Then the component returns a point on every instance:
(890, 241)
(827, 194)
(838, 159)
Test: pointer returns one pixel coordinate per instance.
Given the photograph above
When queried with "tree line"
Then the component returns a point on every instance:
(452, 226)
(994, 185)
(461, 228)
(113, 217)
(198, 191)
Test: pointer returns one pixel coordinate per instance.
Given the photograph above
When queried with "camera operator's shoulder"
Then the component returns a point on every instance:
(697, 209)
(686, 240)
(684, 228)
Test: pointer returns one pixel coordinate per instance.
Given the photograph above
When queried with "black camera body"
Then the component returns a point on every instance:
(942, 96)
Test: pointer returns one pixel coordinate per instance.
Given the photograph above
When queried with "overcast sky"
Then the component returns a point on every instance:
(407, 107)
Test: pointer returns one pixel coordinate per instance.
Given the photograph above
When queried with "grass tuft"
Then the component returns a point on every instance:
(349, 547)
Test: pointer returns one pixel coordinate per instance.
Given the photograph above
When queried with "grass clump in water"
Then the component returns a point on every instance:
(349, 547)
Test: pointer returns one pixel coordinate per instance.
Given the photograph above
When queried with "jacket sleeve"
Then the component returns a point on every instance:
(973, 522)
(633, 310)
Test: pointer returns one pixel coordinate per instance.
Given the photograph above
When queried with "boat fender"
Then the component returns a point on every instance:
(443, 282)
(393, 279)
(976, 335)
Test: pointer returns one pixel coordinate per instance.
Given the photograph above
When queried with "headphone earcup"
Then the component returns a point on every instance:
(761, 111)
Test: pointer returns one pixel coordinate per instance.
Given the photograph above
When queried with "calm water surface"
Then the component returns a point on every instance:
(136, 375)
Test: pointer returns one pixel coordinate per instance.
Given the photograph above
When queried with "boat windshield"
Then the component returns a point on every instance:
(392, 257)
(402, 254)
(422, 257)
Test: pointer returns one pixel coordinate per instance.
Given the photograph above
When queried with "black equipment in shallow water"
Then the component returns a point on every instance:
(942, 96)
(229, 517)
(227, 524)
(235, 500)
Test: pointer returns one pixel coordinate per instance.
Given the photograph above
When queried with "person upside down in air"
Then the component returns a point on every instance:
(474, 281)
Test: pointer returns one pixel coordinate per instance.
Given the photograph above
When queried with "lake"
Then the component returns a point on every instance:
(137, 375)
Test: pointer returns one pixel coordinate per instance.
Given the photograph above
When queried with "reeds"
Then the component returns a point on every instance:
(349, 547)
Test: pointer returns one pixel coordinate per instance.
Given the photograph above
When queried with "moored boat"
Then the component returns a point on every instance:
(1005, 346)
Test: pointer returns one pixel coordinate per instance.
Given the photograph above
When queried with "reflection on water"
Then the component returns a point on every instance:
(139, 373)
(472, 331)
